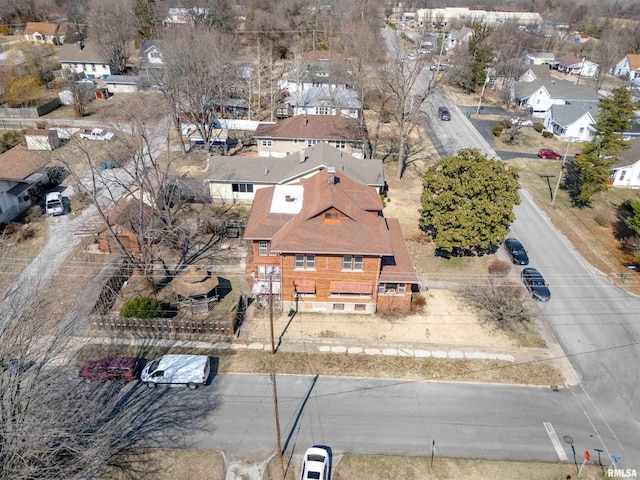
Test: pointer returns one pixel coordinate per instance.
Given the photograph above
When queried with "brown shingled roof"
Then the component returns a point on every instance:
(320, 127)
(634, 61)
(399, 267)
(44, 28)
(18, 163)
(360, 230)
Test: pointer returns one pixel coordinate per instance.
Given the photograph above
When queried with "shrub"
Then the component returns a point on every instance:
(24, 233)
(539, 127)
(499, 267)
(142, 307)
(547, 134)
(602, 219)
(497, 130)
(418, 303)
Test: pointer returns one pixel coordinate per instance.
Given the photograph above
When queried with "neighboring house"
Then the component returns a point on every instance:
(13, 62)
(42, 139)
(443, 16)
(151, 66)
(573, 121)
(538, 96)
(458, 38)
(324, 100)
(121, 83)
(235, 179)
(83, 57)
(20, 171)
(539, 58)
(184, 16)
(572, 65)
(626, 172)
(629, 66)
(296, 133)
(324, 245)
(44, 32)
(125, 220)
(317, 68)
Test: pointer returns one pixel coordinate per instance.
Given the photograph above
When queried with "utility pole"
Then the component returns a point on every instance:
(564, 159)
(273, 341)
(275, 404)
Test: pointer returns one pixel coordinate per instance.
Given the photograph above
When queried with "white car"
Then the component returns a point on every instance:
(315, 464)
(411, 56)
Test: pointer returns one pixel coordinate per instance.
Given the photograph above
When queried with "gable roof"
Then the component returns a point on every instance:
(634, 61)
(306, 231)
(320, 127)
(45, 28)
(556, 89)
(273, 170)
(80, 52)
(19, 163)
(337, 97)
(397, 268)
(567, 114)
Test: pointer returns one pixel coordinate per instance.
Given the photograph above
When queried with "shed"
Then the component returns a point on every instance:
(42, 139)
(122, 83)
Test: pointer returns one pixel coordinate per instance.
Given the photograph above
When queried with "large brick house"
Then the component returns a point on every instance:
(324, 245)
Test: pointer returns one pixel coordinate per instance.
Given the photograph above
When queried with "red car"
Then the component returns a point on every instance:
(548, 153)
(112, 368)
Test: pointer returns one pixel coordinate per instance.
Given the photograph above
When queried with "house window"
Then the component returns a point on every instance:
(305, 262)
(352, 262)
(295, 141)
(341, 144)
(312, 142)
(402, 289)
(581, 131)
(263, 248)
(266, 143)
(359, 307)
(322, 111)
(242, 187)
(622, 174)
(264, 272)
(338, 306)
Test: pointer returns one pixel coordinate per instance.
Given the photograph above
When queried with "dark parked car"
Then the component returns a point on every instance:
(112, 368)
(548, 153)
(516, 251)
(536, 285)
(443, 113)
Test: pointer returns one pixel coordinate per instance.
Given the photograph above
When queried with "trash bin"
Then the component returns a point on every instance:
(468, 114)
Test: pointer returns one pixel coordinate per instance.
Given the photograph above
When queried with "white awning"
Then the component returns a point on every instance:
(262, 288)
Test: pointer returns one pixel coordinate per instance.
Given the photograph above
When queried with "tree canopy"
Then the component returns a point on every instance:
(593, 168)
(467, 202)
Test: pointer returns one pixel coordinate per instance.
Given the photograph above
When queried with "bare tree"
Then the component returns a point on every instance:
(606, 53)
(75, 10)
(500, 302)
(27, 10)
(40, 61)
(403, 85)
(113, 26)
(52, 425)
(194, 88)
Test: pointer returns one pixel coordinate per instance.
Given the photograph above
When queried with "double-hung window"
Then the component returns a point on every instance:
(352, 262)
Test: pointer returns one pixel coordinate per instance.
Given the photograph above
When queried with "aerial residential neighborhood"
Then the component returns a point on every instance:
(319, 239)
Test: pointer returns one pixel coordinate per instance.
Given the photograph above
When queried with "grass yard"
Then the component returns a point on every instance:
(383, 467)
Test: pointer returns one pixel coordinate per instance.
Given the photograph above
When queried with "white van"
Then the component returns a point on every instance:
(189, 370)
(53, 204)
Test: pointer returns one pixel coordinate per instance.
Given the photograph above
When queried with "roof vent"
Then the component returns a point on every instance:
(289, 198)
(331, 170)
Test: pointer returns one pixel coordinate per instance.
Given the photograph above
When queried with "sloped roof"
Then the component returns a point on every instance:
(308, 233)
(19, 163)
(272, 170)
(563, 90)
(44, 28)
(194, 282)
(397, 268)
(73, 53)
(316, 56)
(565, 115)
(634, 61)
(337, 97)
(569, 60)
(318, 127)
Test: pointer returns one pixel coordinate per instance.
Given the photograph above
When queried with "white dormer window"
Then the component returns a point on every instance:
(267, 144)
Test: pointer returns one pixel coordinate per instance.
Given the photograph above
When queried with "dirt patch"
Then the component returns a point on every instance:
(447, 320)
(177, 465)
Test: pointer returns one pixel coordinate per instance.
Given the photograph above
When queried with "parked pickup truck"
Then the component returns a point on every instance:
(189, 370)
(96, 134)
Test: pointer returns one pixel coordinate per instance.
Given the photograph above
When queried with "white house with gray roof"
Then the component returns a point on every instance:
(539, 96)
(572, 121)
(324, 100)
(236, 179)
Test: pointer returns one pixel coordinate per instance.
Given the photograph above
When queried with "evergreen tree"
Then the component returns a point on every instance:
(467, 202)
